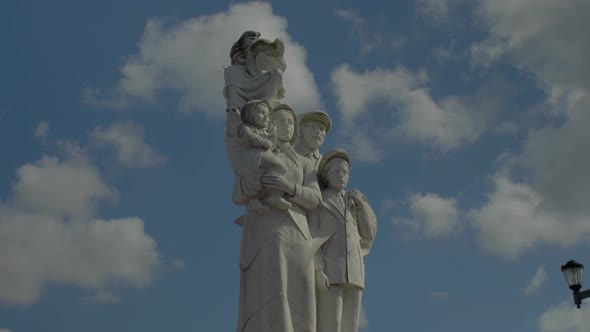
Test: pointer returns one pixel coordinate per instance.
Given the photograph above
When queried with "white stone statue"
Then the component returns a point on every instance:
(348, 221)
(314, 126)
(257, 137)
(277, 276)
(302, 249)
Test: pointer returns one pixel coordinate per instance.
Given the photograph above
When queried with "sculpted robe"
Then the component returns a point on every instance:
(241, 86)
(277, 281)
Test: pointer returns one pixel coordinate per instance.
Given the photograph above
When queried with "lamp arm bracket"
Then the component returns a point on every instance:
(583, 294)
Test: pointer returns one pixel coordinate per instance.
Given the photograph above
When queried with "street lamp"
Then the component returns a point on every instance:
(574, 274)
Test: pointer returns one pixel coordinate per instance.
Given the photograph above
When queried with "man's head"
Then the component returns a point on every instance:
(313, 128)
(334, 170)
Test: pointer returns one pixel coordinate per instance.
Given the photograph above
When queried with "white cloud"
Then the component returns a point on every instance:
(49, 232)
(413, 114)
(536, 282)
(42, 131)
(78, 183)
(435, 11)
(350, 16)
(565, 318)
(432, 215)
(389, 204)
(103, 296)
(511, 222)
(368, 40)
(544, 36)
(559, 160)
(189, 56)
(127, 138)
(361, 146)
(548, 205)
(71, 149)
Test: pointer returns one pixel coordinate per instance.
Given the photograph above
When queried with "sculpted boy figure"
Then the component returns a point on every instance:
(313, 128)
(349, 223)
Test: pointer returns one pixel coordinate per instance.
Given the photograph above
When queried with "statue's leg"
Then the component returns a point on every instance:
(330, 308)
(351, 308)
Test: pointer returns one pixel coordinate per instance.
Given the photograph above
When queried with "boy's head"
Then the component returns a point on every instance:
(334, 170)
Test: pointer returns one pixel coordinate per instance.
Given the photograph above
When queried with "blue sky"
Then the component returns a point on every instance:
(467, 122)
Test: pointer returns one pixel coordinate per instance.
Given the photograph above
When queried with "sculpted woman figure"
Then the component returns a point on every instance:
(257, 136)
(277, 278)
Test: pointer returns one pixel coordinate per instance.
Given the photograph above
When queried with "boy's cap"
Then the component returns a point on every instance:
(332, 154)
(319, 116)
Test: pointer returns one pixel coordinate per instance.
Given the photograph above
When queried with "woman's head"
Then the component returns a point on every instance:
(240, 49)
(286, 123)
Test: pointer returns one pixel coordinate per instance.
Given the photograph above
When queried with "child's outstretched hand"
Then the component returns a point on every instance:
(272, 129)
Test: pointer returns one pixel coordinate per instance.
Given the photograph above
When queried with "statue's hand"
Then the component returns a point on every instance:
(267, 144)
(278, 183)
(357, 197)
(272, 128)
(321, 280)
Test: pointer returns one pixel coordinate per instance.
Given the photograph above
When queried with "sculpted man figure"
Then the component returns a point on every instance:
(314, 126)
(348, 221)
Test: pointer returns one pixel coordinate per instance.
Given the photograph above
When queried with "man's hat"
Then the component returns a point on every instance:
(319, 116)
(332, 154)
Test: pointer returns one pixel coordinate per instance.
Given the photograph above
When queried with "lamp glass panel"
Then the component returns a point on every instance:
(574, 275)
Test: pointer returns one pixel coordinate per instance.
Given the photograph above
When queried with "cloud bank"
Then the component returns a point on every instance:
(50, 233)
(432, 216)
(400, 98)
(127, 139)
(549, 205)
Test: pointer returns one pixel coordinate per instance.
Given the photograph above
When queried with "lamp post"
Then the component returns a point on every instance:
(574, 274)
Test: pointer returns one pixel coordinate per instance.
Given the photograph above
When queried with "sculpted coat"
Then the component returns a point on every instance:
(277, 290)
(350, 233)
(277, 279)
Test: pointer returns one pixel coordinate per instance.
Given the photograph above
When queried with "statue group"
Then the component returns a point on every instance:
(304, 236)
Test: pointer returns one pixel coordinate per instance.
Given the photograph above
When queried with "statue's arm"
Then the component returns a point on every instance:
(320, 232)
(316, 230)
(272, 135)
(367, 224)
(253, 139)
(308, 194)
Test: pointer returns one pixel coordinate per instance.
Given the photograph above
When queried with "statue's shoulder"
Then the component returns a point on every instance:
(234, 72)
(305, 162)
